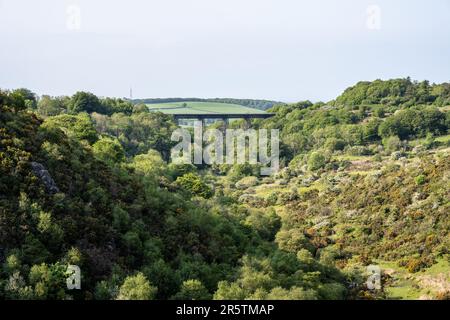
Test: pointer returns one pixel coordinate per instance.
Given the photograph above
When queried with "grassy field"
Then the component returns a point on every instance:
(420, 285)
(189, 107)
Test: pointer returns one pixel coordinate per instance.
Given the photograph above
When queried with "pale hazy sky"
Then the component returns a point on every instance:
(285, 50)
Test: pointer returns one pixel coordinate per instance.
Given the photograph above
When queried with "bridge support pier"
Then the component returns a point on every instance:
(247, 124)
(226, 122)
(223, 117)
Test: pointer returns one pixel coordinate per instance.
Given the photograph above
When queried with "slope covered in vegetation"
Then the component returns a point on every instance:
(364, 180)
(105, 200)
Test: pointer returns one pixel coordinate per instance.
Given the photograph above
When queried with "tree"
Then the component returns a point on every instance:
(26, 97)
(109, 150)
(47, 106)
(110, 106)
(266, 223)
(141, 107)
(371, 130)
(392, 144)
(316, 161)
(136, 288)
(15, 100)
(80, 126)
(192, 290)
(48, 281)
(229, 291)
(12, 264)
(194, 185)
(332, 291)
(149, 164)
(414, 122)
(334, 144)
(85, 101)
(121, 219)
(293, 240)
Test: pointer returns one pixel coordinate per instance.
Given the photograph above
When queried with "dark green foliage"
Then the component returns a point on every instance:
(85, 102)
(414, 122)
(362, 115)
(194, 185)
(29, 98)
(420, 180)
(282, 276)
(111, 106)
(316, 161)
(109, 150)
(79, 126)
(139, 132)
(395, 92)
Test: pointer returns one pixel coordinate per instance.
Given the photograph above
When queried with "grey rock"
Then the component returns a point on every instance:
(42, 173)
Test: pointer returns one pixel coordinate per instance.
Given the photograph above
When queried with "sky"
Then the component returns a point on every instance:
(284, 50)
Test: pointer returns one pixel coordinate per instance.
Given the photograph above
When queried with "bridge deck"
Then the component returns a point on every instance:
(201, 116)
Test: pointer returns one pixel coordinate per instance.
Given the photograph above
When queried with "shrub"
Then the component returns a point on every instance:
(392, 144)
(136, 288)
(316, 161)
(192, 290)
(359, 151)
(79, 126)
(420, 180)
(334, 144)
(194, 185)
(247, 182)
(109, 150)
(293, 240)
(397, 155)
(272, 198)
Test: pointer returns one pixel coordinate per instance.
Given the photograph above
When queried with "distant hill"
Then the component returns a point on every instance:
(395, 92)
(251, 103)
(195, 107)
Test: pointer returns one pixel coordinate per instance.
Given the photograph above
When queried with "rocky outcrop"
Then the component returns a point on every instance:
(42, 173)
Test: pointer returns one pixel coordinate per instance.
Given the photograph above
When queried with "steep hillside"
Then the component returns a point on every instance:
(88, 182)
(137, 227)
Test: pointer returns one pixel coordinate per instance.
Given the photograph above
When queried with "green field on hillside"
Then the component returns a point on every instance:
(190, 107)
